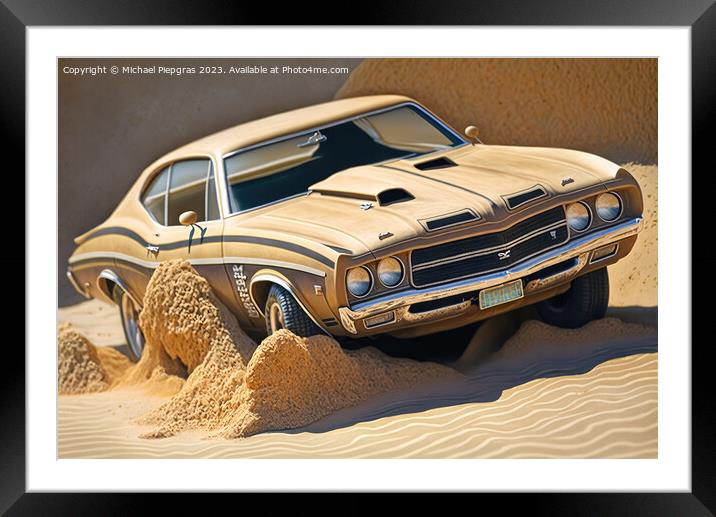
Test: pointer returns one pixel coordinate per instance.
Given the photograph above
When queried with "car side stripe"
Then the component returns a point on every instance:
(280, 244)
(301, 250)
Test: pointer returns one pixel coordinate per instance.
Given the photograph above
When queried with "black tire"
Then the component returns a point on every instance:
(586, 300)
(281, 304)
(129, 316)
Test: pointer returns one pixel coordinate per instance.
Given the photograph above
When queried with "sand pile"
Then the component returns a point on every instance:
(84, 368)
(293, 381)
(182, 316)
(237, 389)
(536, 339)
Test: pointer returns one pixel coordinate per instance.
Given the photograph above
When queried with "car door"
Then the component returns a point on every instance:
(182, 187)
(191, 187)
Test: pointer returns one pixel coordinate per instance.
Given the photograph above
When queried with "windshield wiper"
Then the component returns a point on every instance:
(315, 138)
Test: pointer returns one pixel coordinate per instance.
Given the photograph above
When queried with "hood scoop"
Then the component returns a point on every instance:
(443, 221)
(522, 198)
(385, 197)
(437, 163)
(394, 195)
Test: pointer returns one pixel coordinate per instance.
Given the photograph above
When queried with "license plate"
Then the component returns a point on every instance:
(501, 294)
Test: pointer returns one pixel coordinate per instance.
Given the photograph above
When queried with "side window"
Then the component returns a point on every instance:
(192, 187)
(212, 206)
(183, 186)
(154, 196)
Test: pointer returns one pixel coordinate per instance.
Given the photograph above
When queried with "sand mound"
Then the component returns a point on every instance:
(238, 389)
(293, 381)
(603, 106)
(84, 368)
(182, 316)
(537, 339)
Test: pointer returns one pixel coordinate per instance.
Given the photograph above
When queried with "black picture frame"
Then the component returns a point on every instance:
(16, 15)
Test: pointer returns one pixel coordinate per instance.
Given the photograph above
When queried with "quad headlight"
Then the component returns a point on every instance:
(359, 281)
(609, 206)
(390, 271)
(578, 216)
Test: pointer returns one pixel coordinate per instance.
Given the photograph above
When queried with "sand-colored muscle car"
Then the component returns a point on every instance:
(365, 216)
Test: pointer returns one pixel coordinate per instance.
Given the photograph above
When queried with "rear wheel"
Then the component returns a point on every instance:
(129, 314)
(282, 311)
(586, 300)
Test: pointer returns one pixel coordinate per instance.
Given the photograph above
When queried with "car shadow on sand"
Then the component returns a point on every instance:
(496, 357)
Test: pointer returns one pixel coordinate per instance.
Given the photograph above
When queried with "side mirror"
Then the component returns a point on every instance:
(188, 218)
(472, 133)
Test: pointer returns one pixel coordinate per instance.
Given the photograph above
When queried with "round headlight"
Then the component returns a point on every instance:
(390, 272)
(578, 216)
(359, 281)
(609, 206)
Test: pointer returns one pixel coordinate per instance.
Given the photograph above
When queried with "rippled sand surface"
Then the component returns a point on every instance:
(610, 411)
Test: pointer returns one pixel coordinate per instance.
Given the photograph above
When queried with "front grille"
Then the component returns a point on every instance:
(489, 252)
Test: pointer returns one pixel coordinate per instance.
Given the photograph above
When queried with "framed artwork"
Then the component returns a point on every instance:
(426, 248)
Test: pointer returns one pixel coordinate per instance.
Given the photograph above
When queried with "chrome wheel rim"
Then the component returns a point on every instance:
(276, 317)
(130, 322)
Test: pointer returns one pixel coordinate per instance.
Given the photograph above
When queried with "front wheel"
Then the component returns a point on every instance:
(586, 300)
(129, 315)
(282, 311)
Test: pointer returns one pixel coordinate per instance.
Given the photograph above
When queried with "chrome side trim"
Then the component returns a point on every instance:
(574, 248)
(274, 263)
(108, 274)
(267, 277)
(75, 284)
(150, 264)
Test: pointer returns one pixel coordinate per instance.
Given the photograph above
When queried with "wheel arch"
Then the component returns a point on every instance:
(261, 284)
(107, 280)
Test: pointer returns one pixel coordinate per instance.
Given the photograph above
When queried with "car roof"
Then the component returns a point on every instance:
(267, 128)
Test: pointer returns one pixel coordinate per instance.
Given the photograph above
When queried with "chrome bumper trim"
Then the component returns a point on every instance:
(577, 247)
(76, 285)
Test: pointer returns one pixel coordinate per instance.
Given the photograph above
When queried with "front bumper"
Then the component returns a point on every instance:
(578, 249)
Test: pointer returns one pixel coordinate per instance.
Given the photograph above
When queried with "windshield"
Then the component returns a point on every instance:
(288, 167)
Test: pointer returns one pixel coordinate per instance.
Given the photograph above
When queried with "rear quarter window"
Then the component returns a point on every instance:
(153, 198)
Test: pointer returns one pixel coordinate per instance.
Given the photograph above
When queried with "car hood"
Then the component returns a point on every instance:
(480, 179)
